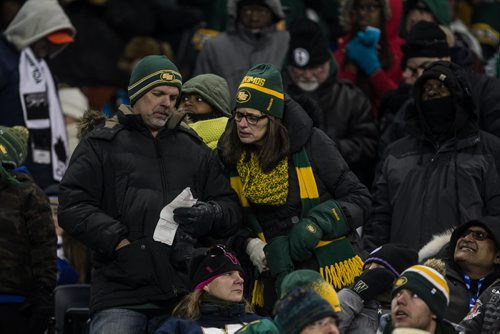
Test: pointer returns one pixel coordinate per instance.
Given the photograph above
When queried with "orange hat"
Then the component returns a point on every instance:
(60, 37)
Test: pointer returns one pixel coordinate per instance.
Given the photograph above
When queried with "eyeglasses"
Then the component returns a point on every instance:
(328, 321)
(251, 119)
(476, 235)
(369, 8)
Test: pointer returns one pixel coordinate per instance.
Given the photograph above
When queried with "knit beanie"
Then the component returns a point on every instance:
(308, 45)
(206, 267)
(428, 284)
(313, 280)
(439, 9)
(150, 72)
(213, 89)
(262, 89)
(425, 39)
(394, 257)
(299, 308)
(485, 26)
(13, 149)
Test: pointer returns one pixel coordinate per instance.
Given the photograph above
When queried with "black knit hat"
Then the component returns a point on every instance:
(426, 39)
(299, 308)
(394, 257)
(308, 45)
(206, 267)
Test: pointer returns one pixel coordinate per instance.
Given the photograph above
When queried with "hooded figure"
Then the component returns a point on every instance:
(231, 53)
(443, 174)
(40, 30)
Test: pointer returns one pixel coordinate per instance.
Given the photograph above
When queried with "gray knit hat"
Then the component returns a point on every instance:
(213, 89)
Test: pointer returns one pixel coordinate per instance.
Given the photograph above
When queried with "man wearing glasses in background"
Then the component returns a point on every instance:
(472, 263)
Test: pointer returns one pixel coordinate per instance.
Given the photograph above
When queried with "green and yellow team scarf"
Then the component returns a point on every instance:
(338, 263)
(263, 188)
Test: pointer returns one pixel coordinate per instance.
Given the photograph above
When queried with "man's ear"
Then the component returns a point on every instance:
(497, 258)
(434, 317)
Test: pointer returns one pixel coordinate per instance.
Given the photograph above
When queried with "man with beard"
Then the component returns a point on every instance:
(441, 175)
(115, 191)
(336, 106)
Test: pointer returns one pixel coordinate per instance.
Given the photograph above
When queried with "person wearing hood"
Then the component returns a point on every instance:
(251, 37)
(28, 269)
(28, 94)
(369, 54)
(472, 257)
(205, 99)
(444, 173)
(344, 112)
(301, 202)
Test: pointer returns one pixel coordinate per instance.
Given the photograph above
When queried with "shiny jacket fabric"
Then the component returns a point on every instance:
(233, 52)
(485, 316)
(27, 239)
(119, 179)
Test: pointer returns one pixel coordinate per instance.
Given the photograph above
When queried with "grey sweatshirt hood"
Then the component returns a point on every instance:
(35, 20)
(232, 11)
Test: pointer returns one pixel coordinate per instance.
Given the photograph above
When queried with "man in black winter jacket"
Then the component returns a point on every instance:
(121, 177)
(444, 173)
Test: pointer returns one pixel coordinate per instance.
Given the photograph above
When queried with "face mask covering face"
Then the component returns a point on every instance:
(439, 114)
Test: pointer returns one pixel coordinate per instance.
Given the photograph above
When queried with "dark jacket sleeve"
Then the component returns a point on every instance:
(42, 237)
(80, 213)
(339, 180)
(377, 231)
(217, 188)
(179, 326)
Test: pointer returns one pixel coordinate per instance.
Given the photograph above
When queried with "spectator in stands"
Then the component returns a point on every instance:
(472, 260)
(28, 95)
(121, 177)
(205, 98)
(443, 174)
(344, 112)
(216, 301)
(27, 242)
(420, 298)
(251, 37)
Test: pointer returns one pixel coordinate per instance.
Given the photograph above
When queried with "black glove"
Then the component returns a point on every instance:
(372, 283)
(39, 308)
(184, 249)
(198, 219)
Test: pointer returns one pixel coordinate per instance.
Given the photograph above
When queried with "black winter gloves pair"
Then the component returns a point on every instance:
(373, 282)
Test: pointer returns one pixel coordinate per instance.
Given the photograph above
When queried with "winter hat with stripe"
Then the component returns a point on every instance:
(262, 89)
(428, 284)
(150, 72)
(13, 150)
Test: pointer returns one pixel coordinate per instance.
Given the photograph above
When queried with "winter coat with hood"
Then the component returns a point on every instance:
(384, 79)
(344, 114)
(422, 188)
(34, 21)
(231, 53)
(443, 246)
(119, 179)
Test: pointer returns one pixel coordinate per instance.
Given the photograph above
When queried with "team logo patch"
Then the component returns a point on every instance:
(311, 228)
(301, 56)
(243, 96)
(167, 76)
(401, 281)
(3, 150)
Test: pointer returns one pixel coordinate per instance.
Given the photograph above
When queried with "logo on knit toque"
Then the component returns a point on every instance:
(243, 96)
(301, 56)
(401, 281)
(167, 76)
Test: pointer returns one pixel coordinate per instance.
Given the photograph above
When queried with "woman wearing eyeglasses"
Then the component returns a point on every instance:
(216, 304)
(301, 202)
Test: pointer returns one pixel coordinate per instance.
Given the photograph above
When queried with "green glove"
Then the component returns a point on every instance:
(304, 236)
(278, 258)
(331, 219)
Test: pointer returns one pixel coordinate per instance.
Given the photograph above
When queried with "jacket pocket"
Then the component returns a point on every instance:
(133, 265)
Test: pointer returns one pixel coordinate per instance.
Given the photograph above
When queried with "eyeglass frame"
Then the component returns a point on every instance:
(251, 119)
(476, 235)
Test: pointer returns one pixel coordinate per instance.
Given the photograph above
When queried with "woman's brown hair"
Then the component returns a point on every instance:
(275, 147)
